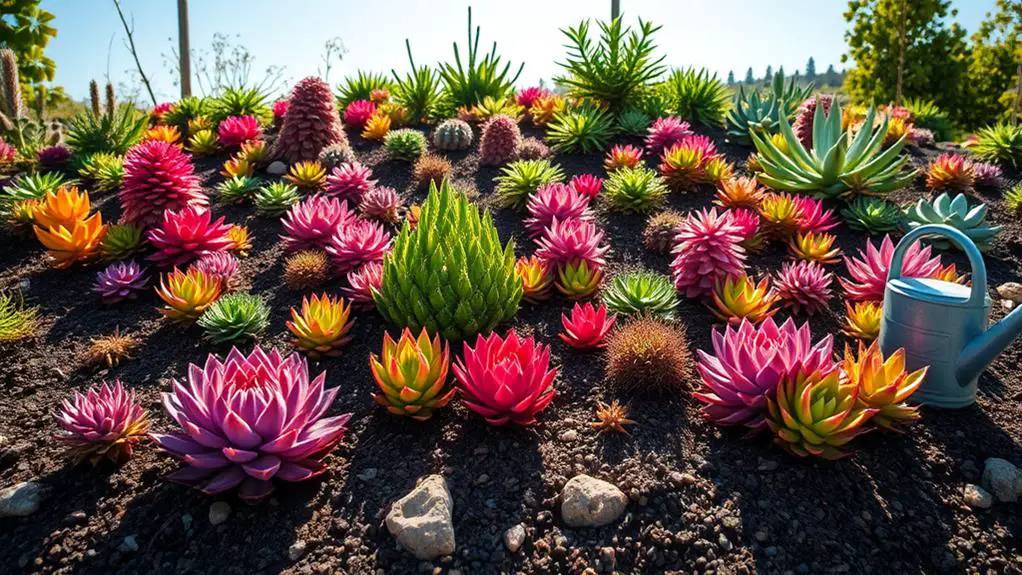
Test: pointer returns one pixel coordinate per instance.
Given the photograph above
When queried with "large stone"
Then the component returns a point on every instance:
(514, 537)
(277, 168)
(1011, 291)
(1002, 479)
(977, 497)
(421, 521)
(21, 499)
(590, 502)
(219, 512)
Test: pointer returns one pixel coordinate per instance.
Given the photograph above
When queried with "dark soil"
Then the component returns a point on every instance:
(703, 499)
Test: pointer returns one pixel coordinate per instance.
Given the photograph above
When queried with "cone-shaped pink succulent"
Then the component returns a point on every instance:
(804, 286)
(120, 281)
(311, 123)
(188, 235)
(381, 203)
(219, 265)
(248, 420)
(812, 216)
(107, 422)
(555, 201)
(362, 282)
(803, 126)
(587, 184)
(869, 271)
(706, 250)
(747, 364)
(309, 224)
(157, 176)
(359, 243)
(506, 380)
(665, 132)
(234, 131)
(350, 181)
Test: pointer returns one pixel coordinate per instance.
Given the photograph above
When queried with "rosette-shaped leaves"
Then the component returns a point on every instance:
(749, 362)
(187, 294)
(635, 190)
(862, 320)
(450, 274)
(381, 203)
(157, 176)
(626, 156)
(665, 132)
(883, 384)
(412, 375)
(739, 297)
(311, 122)
(869, 271)
(309, 224)
(220, 265)
(587, 328)
(956, 213)
(187, 235)
(706, 249)
(246, 421)
(572, 241)
(63, 207)
(804, 286)
(506, 380)
(813, 217)
(362, 282)
(358, 112)
(308, 175)
(739, 193)
(814, 247)
(587, 185)
(555, 201)
(234, 131)
(359, 243)
(350, 181)
(951, 172)
(235, 317)
(872, 215)
(641, 292)
(105, 423)
(120, 281)
(78, 243)
(536, 278)
(322, 326)
(578, 279)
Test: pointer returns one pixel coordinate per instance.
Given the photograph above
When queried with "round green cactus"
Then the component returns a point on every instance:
(452, 134)
(405, 144)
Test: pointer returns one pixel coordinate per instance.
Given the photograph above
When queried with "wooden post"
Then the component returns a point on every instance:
(901, 53)
(615, 9)
(183, 48)
(1017, 108)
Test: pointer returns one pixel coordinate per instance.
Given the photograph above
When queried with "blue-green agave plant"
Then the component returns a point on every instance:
(956, 213)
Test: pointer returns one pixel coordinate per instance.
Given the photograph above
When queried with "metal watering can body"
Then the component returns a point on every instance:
(943, 325)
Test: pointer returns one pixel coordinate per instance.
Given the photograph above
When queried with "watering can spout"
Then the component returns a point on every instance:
(983, 348)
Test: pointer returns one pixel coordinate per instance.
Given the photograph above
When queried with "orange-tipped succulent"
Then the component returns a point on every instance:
(950, 274)
(536, 278)
(322, 326)
(376, 127)
(951, 172)
(719, 170)
(884, 385)
(862, 319)
(169, 134)
(187, 294)
(816, 413)
(780, 215)
(611, 418)
(63, 207)
(307, 175)
(237, 166)
(255, 152)
(739, 297)
(814, 247)
(242, 243)
(739, 193)
(79, 243)
(544, 108)
(412, 375)
(577, 280)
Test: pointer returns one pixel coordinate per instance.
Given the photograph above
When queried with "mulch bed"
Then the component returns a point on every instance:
(703, 499)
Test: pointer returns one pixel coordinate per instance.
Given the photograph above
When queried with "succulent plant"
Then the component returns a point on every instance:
(804, 286)
(571, 241)
(220, 265)
(120, 242)
(500, 140)
(1013, 198)
(684, 164)
(452, 134)
(833, 166)
(306, 269)
(322, 326)
(814, 247)
(358, 243)
(951, 172)
(254, 152)
(362, 86)
(405, 144)
(1000, 143)
(241, 240)
(738, 297)
(988, 175)
(110, 350)
(240, 101)
(555, 201)
(622, 156)
(120, 281)
(187, 235)
(872, 215)
(279, 109)
(806, 114)
(235, 317)
(107, 422)
(272, 412)
(308, 175)
(748, 223)
(311, 124)
(53, 157)
(649, 356)
(533, 149)
(334, 155)
(381, 203)
(813, 217)
(187, 294)
(748, 363)
(706, 248)
(658, 235)
(578, 279)
(520, 179)
(72, 242)
(884, 384)
(586, 184)
(450, 274)
(17, 321)
(203, 143)
(350, 181)
(234, 131)
(506, 379)
(611, 418)
(587, 328)
(64, 206)
(275, 199)
(633, 121)
(536, 278)
(157, 177)
(862, 319)
(956, 213)
(696, 95)
(582, 129)
(542, 110)
(237, 166)
(358, 112)
(104, 170)
(637, 189)
(431, 169)
(412, 375)
(869, 271)
(665, 133)
(739, 193)
(528, 96)
(377, 128)
(237, 188)
(641, 293)
(761, 111)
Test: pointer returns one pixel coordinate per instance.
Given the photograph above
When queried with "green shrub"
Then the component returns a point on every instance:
(361, 86)
(480, 76)
(16, 321)
(88, 134)
(697, 96)
(1000, 143)
(240, 102)
(926, 114)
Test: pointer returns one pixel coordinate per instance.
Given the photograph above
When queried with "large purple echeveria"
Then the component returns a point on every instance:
(120, 281)
(246, 421)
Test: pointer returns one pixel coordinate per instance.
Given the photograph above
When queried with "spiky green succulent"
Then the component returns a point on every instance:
(696, 95)
(641, 292)
(240, 102)
(404, 144)
(633, 121)
(520, 179)
(450, 273)
(276, 198)
(1000, 143)
(580, 129)
(637, 189)
(114, 133)
(121, 242)
(957, 213)
(237, 188)
(1013, 198)
(104, 170)
(31, 187)
(833, 167)
(235, 317)
(361, 86)
(926, 114)
(762, 110)
(185, 110)
(16, 321)
(872, 215)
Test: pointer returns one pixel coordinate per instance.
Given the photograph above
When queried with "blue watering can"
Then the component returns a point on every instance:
(943, 325)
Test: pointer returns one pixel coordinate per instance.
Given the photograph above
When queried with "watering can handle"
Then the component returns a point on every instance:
(979, 270)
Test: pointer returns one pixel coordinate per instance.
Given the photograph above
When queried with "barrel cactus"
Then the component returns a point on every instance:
(452, 134)
(450, 274)
(957, 213)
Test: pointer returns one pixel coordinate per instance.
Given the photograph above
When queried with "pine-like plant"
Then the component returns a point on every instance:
(311, 123)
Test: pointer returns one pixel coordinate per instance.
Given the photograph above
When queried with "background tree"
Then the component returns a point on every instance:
(731, 78)
(749, 78)
(769, 74)
(935, 53)
(811, 69)
(831, 77)
(25, 29)
(994, 65)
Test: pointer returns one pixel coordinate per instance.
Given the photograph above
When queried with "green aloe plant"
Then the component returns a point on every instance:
(642, 292)
(450, 274)
(834, 167)
(762, 111)
(956, 213)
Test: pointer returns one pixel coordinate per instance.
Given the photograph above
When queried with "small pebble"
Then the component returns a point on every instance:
(219, 512)
(296, 550)
(568, 435)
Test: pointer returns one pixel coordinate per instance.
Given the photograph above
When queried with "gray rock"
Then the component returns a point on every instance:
(368, 475)
(767, 465)
(1007, 304)
(1002, 479)
(977, 497)
(590, 502)
(1011, 291)
(514, 538)
(21, 499)
(277, 168)
(219, 512)
(567, 436)
(421, 521)
(297, 550)
(129, 545)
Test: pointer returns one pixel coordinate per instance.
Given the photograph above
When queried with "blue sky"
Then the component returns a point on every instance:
(720, 35)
